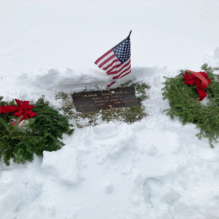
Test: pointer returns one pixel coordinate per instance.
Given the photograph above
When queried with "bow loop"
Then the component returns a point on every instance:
(31, 114)
(200, 80)
(18, 102)
(25, 103)
(19, 113)
(23, 108)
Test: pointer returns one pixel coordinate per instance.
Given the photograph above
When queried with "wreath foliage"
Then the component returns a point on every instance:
(184, 104)
(38, 134)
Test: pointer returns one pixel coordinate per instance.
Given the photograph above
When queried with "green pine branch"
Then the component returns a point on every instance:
(185, 105)
(38, 134)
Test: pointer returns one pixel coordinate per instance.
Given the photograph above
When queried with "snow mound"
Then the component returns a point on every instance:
(105, 131)
(63, 165)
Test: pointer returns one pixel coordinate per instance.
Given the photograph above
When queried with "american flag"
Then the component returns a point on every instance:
(117, 61)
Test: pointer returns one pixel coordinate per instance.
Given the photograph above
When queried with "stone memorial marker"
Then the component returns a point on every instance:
(106, 99)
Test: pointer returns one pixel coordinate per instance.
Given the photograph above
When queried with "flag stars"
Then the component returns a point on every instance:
(122, 50)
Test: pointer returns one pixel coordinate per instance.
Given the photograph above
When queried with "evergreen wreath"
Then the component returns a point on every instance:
(184, 104)
(35, 135)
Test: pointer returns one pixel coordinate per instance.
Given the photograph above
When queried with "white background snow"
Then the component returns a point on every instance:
(155, 168)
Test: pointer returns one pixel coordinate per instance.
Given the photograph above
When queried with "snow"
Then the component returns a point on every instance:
(153, 168)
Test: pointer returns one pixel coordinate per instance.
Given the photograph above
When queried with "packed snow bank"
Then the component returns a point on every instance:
(154, 168)
(147, 169)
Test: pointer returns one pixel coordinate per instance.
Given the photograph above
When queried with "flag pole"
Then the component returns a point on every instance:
(128, 36)
(130, 33)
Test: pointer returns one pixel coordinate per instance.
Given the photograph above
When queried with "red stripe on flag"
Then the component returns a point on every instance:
(111, 64)
(110, 84)
(126, 74)
(115, 66)
(107, 60)
(115, 77)
(104, 55)
(115, 72)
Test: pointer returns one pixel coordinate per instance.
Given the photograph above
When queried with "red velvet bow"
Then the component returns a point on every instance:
(23, 110)
(199, 78)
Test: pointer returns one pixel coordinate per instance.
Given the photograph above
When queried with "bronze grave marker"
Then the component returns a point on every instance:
(106, 99)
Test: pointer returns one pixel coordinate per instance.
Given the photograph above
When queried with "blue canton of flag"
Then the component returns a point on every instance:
(117, 61)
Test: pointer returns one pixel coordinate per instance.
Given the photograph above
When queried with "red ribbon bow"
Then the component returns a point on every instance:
(23, 110)
(199, 78)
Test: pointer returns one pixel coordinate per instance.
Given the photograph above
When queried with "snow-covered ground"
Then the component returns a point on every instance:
(155, 168)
